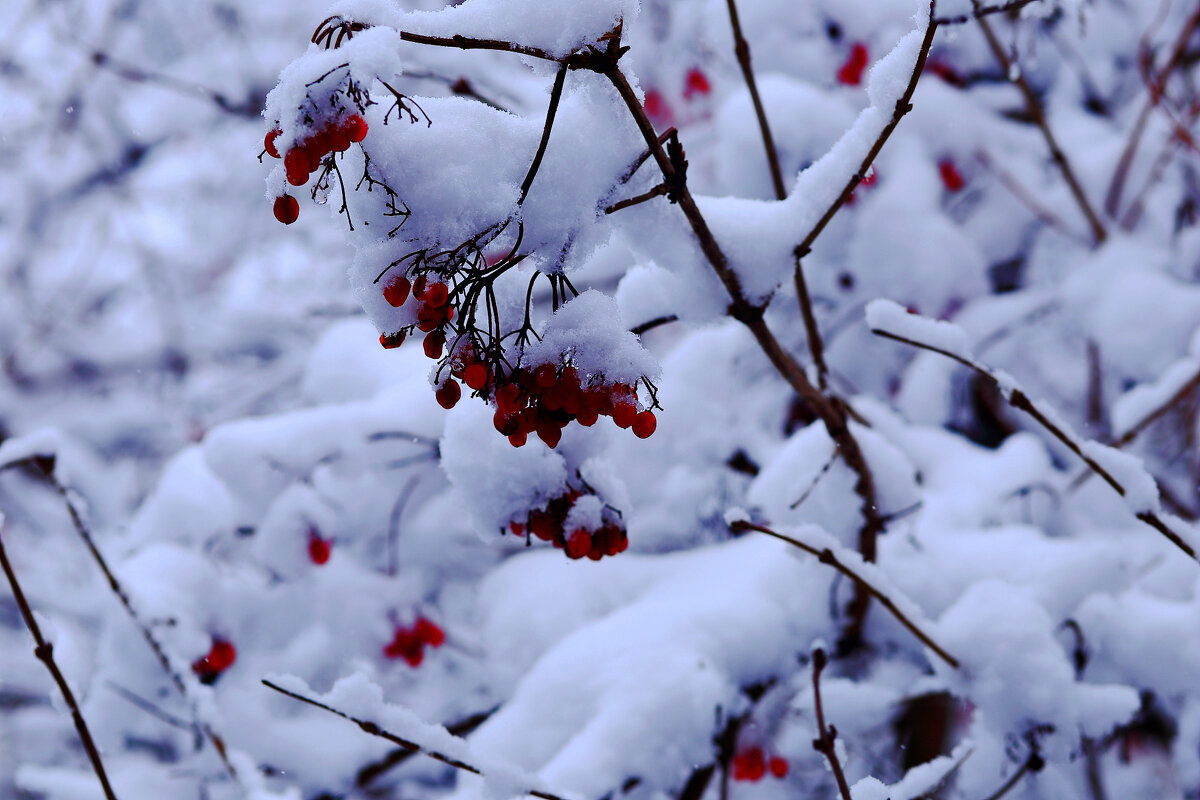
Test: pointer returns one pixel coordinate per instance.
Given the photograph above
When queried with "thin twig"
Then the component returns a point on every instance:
(827, 556)
(464, 726)
(1000, 8)
(471, 43)
(812, 332)
(1037, 113)
(1026, 197)
(1033, 763)
(1020, 401)
(742, 49)
(555, 96)
(666, 319)
(827, 735)
(656, 191)
(373, 729)
(45, 653)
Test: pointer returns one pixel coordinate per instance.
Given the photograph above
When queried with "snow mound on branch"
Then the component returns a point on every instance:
(590, 329)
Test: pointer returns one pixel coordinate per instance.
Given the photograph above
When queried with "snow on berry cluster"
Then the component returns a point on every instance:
(576, 523)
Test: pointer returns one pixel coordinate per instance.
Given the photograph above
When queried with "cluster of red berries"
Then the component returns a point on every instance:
(220, 657)
(433, 311)
(549, 525)
(547, 398)
(410, 643)
(851, 71)
(752, 764)
(304, 158)
(319, 548)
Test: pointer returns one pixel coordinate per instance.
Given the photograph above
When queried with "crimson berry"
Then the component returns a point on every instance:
(507, 424)
(579, 544)
(518, 439)
(429, 633)
(220, 658)
(295, 164)
(448, 394)
(546, 376)
(434, 342)
(396, 291)
(778, 766)
(355, 128)
(624, 414)
(516, 528)
(405, 645)
(436, 294)
(475, 376)
(287, 210)
(644, 424)
(656, 107)
(586, 416)
(952, 179)
(390, 341)
(508, 398)
(749, 765)
(851, 71)
(541, 525)
(419, 286)
(269, 142)
(695, 83)
(549, 433)
(318, 548)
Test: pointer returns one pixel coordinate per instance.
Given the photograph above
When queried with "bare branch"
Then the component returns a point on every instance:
(555, 96)
(742, 50)
(827, 735)
(45, 653)
(826, 556)
(1000, 8)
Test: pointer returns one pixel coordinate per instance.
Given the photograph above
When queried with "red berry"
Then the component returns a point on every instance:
(749, 765)
(475, 376)
(644, 424)
(549, 433)
(395, 291)
(405, 644)
(656, 106)
(507, 424)
(436, 294)
(586, 416)
(313, 149)
(851, 71)
(516, 528)
(355, 128)
(419, 286)
(508, 398)
(391, 341)
(448, 394)
(434, 342)
(695, 83)
(541, 525)
(295, 165)
(952, 179)
(287, 210)
(778, 766)
(518, 439)
(318, 548)
(546, 375)
(624, 414)
(269, 142)
(429, 633)
(579, 544)
(220, 657)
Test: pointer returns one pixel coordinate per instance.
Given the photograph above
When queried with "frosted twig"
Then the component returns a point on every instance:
(44, 466)
(827, 735)
(826, 556)
(648, 325)
(45, 653)
(373, 729)
(1020, 401)
(464, 726)
(742, 50)
(1037, 113)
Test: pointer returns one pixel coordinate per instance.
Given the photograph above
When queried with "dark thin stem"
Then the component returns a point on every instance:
(1020, 401)
(555, 96)
(373, 729)
(649, 194)
(827, 556)
(370, 772)
(471, 43)
(1037, 113)
(812, 332)
(45, 653)
(742, 50)
(667, 319)
(1000, 8)
(1014, 780)
(827, 735)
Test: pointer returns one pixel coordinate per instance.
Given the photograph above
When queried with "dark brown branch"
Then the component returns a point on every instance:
(371, 771)
(1018, 400)
(1037, 113)
(1112, 200)
(667, 319)
(812, 332)
(742, 50)
(366, 726)
(45, 468)
(827, 735)
(657, 191)
(827, 556)
(471, 43)
(1000, 8)
(45, 653)
(555, 96)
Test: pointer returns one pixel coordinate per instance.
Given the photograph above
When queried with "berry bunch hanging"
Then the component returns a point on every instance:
(553, 523)
(409, 643)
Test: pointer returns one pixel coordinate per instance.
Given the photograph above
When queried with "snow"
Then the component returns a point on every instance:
(890, 317)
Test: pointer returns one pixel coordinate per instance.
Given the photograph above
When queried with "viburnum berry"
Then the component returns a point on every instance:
(579, 544)
(549, 433)
(952, 179)
(429, 633)
(436, 294)
(318, 548)
(287, 210)
(778, 766)
(644, 424)
(656, 107)
(695, 83)
(220, 657)
(476, 376)
(355, 128)
(410, 643)
(395, 291)
(518, 439)
(624, 414)
(434, 342)
(749, 765)
(391, 341)
(448, 394)
(295, 165)
(269, 142)
(851, 71)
